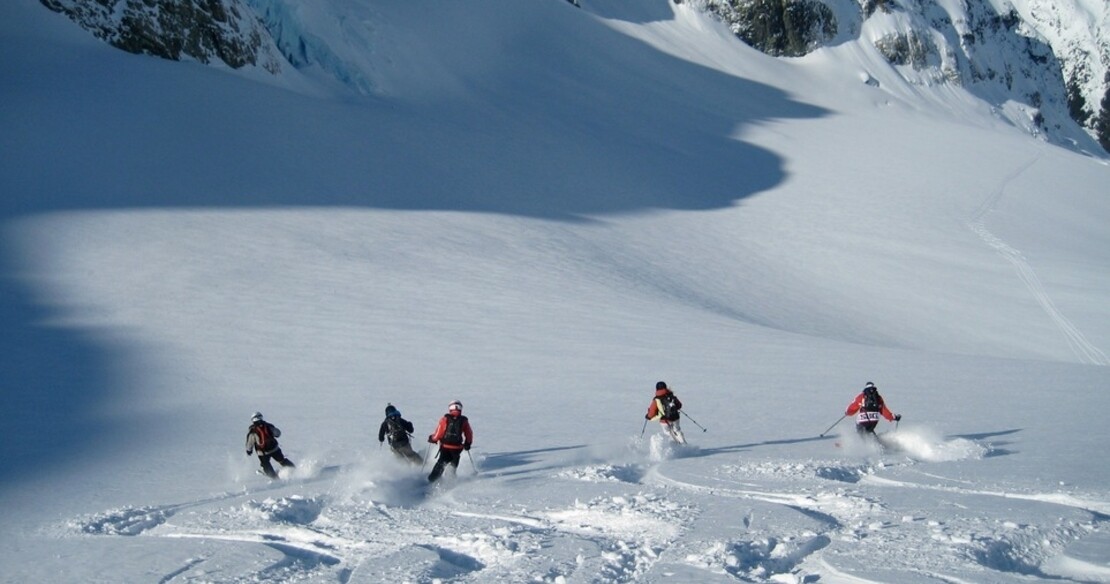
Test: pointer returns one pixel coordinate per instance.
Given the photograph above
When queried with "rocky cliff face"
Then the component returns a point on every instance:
(783, 28)
(1046, 62)
(204, 30)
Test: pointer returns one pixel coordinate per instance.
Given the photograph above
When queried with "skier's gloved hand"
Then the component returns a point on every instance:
(647, 417)
(466, 447)
(897, 417)
(430, 440)
(248, 453)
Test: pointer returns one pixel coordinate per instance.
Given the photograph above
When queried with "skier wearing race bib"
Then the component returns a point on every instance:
(398, 430)
(666, 407)
(453, 435)
(867, 407)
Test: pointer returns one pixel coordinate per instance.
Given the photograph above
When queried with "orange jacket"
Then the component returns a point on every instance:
(441, 429)
(857, 404)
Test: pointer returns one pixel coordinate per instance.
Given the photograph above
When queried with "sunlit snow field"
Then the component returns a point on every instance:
(541, 211)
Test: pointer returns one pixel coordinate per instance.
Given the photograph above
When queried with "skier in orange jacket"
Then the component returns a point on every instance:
(867, 407)
(453, 435)
(665, 407)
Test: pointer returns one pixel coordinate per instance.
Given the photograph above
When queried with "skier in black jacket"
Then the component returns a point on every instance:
(262, 440)
(398, 430)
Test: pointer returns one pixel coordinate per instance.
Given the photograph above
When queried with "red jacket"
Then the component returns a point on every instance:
(441, 429)
(857, 404)
(655, 410)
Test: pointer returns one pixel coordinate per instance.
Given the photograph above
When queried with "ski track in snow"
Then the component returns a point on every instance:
(1083, 349)
(1101, 508)
(784, 521)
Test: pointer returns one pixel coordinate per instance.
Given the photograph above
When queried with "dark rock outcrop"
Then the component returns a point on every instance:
(204, 30)
(783, 28)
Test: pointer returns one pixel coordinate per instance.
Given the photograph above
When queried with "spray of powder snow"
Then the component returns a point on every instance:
(658, 447)
(382, 478)
(917, 442)
(927, 445)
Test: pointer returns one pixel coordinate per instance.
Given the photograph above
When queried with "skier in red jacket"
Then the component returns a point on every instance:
(867, 407)
(453, 435)
(665, 407)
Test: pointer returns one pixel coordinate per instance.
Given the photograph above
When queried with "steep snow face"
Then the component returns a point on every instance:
(990, 53)
(1079, 33)
(1040, 65)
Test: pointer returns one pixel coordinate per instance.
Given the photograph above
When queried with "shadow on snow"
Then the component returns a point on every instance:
(557, 134)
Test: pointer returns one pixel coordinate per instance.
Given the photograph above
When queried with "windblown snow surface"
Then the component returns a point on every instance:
(541, 211)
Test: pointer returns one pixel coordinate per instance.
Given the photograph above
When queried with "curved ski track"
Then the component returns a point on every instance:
(1083, 349)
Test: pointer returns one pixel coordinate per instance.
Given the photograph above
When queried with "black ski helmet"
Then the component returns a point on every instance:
(391, 411)
(661, 385)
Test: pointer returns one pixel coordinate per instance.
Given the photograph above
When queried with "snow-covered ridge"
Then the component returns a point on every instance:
(1041, 65)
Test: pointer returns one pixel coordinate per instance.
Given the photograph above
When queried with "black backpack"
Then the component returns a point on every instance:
(872, 401)
(453, 434)
(395, 431)
(670, 407)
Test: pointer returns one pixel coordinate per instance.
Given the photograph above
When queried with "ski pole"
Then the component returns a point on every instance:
(423, 463)
(703, 429)
(475, 466)
(642, 430)
(834, 425)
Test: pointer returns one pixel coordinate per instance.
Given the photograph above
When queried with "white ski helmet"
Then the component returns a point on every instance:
(257, 417)
(455, 406)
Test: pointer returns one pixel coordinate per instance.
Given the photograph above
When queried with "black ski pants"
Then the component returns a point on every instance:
(444, 458)
(264, 460)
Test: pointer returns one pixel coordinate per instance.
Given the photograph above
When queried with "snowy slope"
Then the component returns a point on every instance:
(542, 211)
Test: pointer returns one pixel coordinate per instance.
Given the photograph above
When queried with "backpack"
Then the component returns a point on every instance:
(395, 431)
(872, 402)
(453, 434)
(670, 407)
(266, 441)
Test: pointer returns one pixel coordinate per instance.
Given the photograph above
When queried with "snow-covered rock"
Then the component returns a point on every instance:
(1051, 57)
(208, 31)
